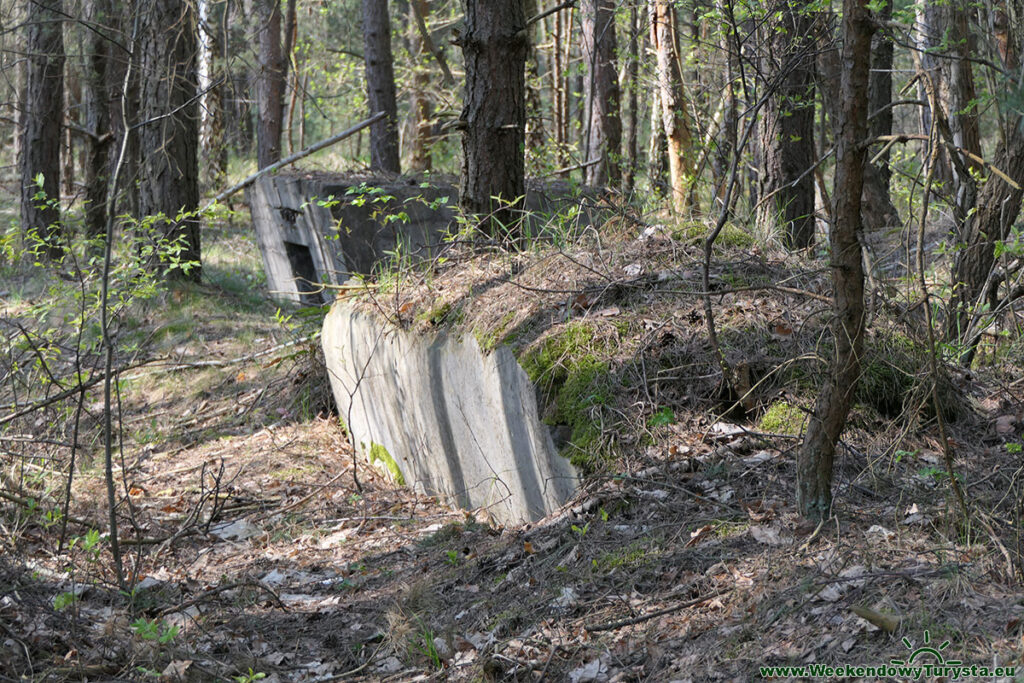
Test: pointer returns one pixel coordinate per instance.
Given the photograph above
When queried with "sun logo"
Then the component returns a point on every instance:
(926, 649)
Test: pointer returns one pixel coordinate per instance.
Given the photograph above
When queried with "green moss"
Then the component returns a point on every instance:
(633, 556)
(489, 339)
(443, 313)
(782, 418)
(731, 236)
(573, 378)
(378, 452)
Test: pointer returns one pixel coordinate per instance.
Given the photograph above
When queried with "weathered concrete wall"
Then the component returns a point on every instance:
(305, 242)
(458, 422)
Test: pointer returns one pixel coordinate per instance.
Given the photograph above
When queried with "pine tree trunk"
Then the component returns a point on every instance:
(674, 114)
(380, 86)
(999, 202)
(603, 129)
(814, 460)
(97, 99)
(657, 149)
(169, 138)
(880, 216)
(422, 107)
(633, 121)
(41, 121)
(494, 48)
(725, 144)
(963, 108)
(787, 129)
(269, 84)
(536, 135)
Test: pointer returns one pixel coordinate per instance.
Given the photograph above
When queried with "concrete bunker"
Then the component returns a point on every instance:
(453, 420)
(320, 228)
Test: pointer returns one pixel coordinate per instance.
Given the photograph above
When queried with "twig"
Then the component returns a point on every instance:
(220, 589)
(611, 626)
(548, 12)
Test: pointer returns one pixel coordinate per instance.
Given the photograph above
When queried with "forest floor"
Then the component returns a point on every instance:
(255, 553)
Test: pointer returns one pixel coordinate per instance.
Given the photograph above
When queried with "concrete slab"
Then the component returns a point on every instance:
(456, 422)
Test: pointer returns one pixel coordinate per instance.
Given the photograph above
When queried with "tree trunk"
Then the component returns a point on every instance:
(880, 216)
(493, 118)
(787, 128)
(41, 122)
(97, 100)
(169, 138)
(536, 135)
(963, 108)
(420, 155)
(601, 94)
(380, 86)
(269, 84)
(814, 461)
(214, 144)
(657, 149)
(674, 114)
(726, 142)
(633, 83)
(999, 202)
(929, 29)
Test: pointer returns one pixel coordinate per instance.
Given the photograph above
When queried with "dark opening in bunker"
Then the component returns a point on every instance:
(306, 281)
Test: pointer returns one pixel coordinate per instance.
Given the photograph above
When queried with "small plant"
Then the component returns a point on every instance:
(1014, 447)
(250, 676)
(65, 599)
(663, 416)
(155, 630)
(581, 531)
(424, 644)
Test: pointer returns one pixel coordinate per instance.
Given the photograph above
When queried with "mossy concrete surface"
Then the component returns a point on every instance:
(456, 421)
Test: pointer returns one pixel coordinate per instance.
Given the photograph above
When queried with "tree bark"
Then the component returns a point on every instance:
(674, 114)
(97, 100)
(494, 47)
(814, 460)
(633, 84)
(213, 15)
(536, 135)
(787, 128)
(269, 84)
(41, 122)
(999, 202)
(380, 86)
(420, 157)
(963, 108)
(169, 134)
(601, 94)
(880, 215)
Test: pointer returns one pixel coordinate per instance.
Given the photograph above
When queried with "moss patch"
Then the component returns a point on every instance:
(731, 236)
(782, 418)
(489, 339)
(572, 376)
(378, 452)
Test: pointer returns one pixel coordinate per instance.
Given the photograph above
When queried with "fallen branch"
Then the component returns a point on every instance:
(295, 157)
(611, 626)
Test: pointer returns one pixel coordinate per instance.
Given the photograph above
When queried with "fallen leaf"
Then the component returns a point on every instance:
(698, 534)
(528, 547)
